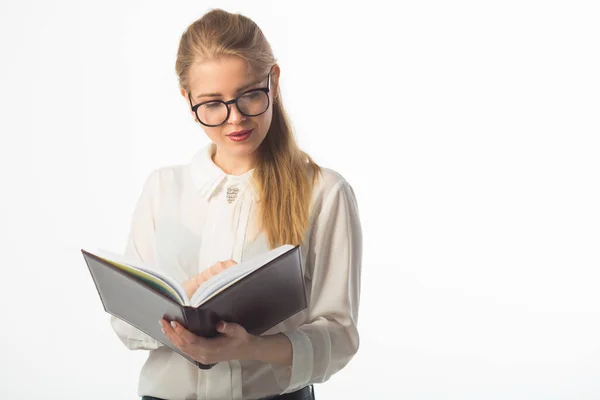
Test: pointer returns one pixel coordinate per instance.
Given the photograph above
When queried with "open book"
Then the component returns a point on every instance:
(257, 293)
(173, 289)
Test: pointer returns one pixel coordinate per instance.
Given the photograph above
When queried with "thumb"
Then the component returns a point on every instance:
(230, 329)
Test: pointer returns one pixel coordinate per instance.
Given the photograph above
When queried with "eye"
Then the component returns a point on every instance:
(251, 95)
(213, 104)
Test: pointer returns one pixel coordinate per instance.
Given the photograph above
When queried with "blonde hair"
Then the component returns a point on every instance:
(284, 175)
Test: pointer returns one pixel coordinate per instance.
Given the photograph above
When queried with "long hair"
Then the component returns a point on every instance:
(284, 175)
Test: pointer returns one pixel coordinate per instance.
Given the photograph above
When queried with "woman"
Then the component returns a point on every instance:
(249, 191)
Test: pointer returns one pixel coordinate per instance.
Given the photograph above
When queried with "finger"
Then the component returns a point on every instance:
(218, 267)
(187, 336)
(222, 266)
(215, 269)
(168, 330)
(231, 329)
(200, 278)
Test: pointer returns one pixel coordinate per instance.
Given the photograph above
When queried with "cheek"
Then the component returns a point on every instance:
(265, 121)
(211, 132)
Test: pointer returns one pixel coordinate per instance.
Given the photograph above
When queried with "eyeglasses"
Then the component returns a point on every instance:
(251, 103)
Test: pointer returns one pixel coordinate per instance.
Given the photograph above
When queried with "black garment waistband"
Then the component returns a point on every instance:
(306, 393)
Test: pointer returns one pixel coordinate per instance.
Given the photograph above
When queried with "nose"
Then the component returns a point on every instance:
(235, 116)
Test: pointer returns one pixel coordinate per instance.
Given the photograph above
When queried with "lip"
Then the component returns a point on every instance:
(238, 133)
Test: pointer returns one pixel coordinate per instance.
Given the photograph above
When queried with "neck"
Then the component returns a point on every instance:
(233, 165)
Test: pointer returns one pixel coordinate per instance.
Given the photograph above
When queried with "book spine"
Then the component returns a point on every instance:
(205, 323)
(201, 323)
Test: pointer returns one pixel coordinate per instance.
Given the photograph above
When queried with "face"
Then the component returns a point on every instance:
(225, 79)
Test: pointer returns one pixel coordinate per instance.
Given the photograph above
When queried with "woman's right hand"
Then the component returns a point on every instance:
(192, 284)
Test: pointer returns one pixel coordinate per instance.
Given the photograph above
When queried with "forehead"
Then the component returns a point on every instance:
(223, 75)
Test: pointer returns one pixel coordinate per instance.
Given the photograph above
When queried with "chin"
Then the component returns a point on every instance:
(241, 149)
(252, 142)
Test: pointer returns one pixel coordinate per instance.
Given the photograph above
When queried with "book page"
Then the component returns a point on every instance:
(155, 279)
(233, 274)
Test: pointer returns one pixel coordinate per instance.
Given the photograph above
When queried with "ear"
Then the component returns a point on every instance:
(275, 74)
(187, 101)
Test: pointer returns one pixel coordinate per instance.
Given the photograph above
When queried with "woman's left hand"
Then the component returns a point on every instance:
(235, 343)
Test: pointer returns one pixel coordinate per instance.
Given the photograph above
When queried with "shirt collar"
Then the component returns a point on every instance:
(208, 176)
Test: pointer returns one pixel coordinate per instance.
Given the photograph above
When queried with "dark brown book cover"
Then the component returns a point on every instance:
(258, 301)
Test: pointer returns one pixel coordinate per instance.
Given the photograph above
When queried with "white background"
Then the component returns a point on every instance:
(469, 131)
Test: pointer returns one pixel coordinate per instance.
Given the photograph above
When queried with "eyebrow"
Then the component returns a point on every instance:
(241, 88)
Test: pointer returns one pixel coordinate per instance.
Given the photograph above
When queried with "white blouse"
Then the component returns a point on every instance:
(184, 224)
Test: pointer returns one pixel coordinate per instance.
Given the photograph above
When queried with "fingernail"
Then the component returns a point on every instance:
(161, 323)
(163, 331)
(174, 324)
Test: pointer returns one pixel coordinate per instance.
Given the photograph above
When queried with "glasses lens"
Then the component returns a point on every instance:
(212, 113)
(253, 103)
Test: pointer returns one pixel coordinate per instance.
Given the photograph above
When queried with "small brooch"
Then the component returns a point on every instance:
(232, 194)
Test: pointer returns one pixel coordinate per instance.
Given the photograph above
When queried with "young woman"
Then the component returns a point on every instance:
(249, 191)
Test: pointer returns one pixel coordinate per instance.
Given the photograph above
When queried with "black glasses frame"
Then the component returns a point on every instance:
(232, 101)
